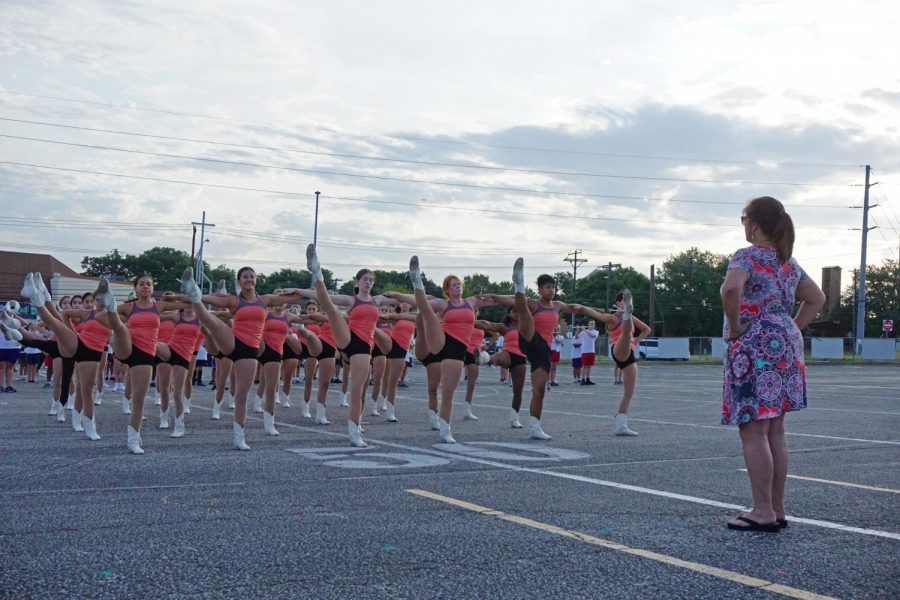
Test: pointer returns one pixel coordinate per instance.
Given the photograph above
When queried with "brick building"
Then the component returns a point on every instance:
(60, 279)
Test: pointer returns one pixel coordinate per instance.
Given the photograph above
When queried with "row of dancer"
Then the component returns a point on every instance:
(447, 334)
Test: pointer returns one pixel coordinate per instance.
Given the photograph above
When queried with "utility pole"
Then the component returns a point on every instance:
(860, 329)
(575, 261)
(198, 268)
(316, 222)
(193, 241)
(652, 296)
(609, 268)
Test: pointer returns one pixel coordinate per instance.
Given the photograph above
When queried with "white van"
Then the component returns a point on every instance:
(647, 349)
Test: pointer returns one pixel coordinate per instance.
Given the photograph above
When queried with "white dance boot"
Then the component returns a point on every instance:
(76, 421)
(105, 296)
(514, 419)
(53, 409)
(61, 413)
(285, 400)
(269, 423)
(97, 398)
(189, 286)
(126, 405)
(469, 416)
(355, 438)
(374, 412)
(536, 432)
(157, 400)
(345, 399)
(163, 419)
(446, 436)
(30, 291)
(305, 412)
(320, 415)
(187, 405)
(257, 404)
(217, 406)
(391, 415)
(518, 276)
(415, 274)
(383, 404)
(90, 428)
(134, 441)
(239, 442)
(230, 397)
(622, 426)
(39, 284)
(433, 420)
(178, 430)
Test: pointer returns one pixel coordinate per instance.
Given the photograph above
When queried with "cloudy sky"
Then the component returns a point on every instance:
(467, 132)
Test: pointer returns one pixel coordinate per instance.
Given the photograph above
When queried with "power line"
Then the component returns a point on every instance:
(374, 201)
(408, 161)
(388, 178)
(432, 140)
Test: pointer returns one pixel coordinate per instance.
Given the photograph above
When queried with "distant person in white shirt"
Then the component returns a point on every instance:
(556, 346)
(576, 354)
(588, 352)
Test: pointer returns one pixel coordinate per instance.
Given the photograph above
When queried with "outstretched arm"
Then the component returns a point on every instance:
(495, 299)
(595, 313)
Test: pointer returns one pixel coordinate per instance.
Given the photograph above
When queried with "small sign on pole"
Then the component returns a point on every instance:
(887, 325)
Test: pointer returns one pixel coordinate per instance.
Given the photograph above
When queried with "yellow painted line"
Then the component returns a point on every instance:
(753, 582)
(843, 483)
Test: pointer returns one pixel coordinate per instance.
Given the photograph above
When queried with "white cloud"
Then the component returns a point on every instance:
(766, 82)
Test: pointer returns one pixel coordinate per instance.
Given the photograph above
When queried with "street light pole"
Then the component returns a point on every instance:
(198, 265)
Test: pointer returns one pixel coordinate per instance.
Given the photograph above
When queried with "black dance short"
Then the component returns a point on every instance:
(376, 351)
(269, 355)
(515, 360)
(537, 351)
(138, 358)
(242, 351)
(288, 353)
(85, 354)
(471, 359)
(453, 349)
(624, 363)
(176, 360)
(328, 351)
(356, 346)
(397, 351)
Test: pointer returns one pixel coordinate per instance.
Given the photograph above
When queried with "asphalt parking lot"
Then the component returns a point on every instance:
(584, 515)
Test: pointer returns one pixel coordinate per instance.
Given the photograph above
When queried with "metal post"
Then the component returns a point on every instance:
(652, 297)
(573, 258)
(861, 297)
(198, 263)
(316, 223)
(609, 268)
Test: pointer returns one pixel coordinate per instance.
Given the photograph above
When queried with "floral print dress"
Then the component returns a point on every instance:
(765, 374)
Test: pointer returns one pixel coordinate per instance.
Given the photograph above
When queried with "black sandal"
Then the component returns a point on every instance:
(754, 526)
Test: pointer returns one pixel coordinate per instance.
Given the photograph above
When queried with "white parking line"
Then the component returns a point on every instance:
(592, 481)
(721, 428)
(842, 483)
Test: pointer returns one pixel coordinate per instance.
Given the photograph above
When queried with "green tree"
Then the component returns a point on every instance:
(592, 290)
(392, 280)
(112, 265)
(882, 298)
(688, 293)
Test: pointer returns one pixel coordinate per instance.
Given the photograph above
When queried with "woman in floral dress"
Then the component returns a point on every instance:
(765, 376)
